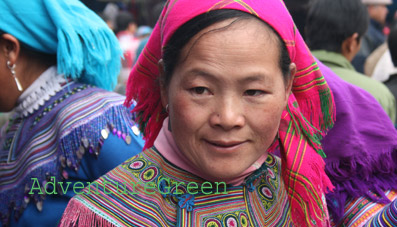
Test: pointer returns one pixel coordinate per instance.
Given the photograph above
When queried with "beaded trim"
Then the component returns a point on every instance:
(58, 101)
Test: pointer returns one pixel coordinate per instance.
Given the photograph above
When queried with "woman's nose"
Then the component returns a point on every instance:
(228, 114)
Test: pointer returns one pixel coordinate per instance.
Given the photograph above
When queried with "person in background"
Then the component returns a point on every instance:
(298, 10)
(361, 148)
(56, 60)
(374, 36)
(126, 28)
(143, 34)
(156, 11)
(391, 83)
(336, 40)
(107, 20)
(379, 65)
(223, 86)
(110, 12)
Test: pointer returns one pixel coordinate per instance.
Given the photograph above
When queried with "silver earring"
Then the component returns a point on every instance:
(166, 108)
(12, 69)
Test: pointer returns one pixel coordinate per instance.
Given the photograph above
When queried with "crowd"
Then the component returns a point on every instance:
(222, 113)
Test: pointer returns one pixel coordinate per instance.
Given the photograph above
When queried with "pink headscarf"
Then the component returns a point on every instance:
(309, 113)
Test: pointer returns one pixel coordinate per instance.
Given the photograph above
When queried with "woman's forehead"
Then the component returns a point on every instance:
(244, 35)
(236, 26)
(239, 51)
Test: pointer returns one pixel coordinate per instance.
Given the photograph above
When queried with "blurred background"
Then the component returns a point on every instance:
(144, 11)
(132, 21)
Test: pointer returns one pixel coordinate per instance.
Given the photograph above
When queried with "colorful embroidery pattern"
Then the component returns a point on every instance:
(172, 202)
(361, 211)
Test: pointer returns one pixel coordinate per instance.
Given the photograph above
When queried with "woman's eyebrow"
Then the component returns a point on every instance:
(194, 73)
(254, 77)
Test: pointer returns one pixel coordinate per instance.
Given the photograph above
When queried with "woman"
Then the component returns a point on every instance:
(234, 83)
(65, 131)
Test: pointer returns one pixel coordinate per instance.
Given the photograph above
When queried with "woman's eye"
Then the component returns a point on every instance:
(254, 92)
(199, 90)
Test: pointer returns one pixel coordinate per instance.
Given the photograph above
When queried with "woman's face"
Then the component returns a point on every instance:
(226, 96)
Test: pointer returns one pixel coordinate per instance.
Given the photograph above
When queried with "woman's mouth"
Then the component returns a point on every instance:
(225, 146)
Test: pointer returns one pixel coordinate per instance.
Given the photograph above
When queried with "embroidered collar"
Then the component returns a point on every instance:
(41, 90)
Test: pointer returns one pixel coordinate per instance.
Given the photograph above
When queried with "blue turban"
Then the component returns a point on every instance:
(87, 50)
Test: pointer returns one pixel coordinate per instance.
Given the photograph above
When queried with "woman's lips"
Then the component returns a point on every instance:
(225, 146)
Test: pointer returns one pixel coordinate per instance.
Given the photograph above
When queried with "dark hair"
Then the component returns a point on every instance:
(43, 58)
(392, 42)
(330, 22)
(35, 55)
(123, 19)
(171, 54)
(298, 10)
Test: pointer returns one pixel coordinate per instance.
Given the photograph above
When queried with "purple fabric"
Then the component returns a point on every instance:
(361, 148)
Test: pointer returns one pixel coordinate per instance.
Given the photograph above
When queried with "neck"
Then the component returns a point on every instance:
(44, 87)
(31, 74)
(348, 56)
(26, 73)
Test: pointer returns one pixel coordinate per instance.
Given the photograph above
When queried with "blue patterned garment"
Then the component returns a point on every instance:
(76, 134)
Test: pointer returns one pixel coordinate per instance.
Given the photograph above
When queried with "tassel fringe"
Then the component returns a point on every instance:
(92, 57)
(77, 214)
(361, 176)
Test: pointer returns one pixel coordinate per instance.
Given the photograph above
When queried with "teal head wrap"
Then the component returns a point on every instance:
(87, 50)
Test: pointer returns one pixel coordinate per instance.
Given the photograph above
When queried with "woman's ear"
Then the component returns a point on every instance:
(290, 82)
(163, 87)
(10, 48)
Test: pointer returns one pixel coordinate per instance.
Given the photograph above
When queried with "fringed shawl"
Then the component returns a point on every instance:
(309, 113)
(361, 149)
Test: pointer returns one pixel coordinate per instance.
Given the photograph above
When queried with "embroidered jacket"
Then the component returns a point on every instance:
(147, 190)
